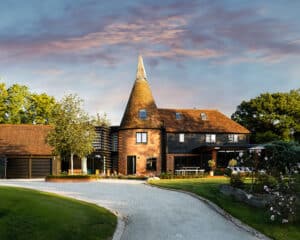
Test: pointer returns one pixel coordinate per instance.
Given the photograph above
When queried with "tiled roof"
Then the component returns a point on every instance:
(191, 121)
(24, 139)
(140, 98)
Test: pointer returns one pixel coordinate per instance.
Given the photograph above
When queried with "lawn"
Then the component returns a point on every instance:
(29, 214)
(257, 218)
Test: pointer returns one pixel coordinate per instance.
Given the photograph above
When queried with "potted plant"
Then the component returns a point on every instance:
(212, 165)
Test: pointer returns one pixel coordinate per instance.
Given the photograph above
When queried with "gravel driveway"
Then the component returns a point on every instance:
(149, 212)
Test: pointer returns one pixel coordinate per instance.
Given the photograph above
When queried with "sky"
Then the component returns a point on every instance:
(197, 54)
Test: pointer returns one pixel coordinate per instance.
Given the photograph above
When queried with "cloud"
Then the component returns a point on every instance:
(174, 31)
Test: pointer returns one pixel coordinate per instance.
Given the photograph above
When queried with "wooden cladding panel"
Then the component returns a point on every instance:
(28, 168)
(18, 168)
(41, 167)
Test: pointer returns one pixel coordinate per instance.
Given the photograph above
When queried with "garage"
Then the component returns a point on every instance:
(17, 168)
(40, 167)
(24, 152)
(28, 168)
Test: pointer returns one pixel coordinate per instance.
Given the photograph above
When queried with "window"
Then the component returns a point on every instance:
(203, 116)
(141, 137)
(143, 114)
(181, 137)
(178, 116)
(210, 138)
(151, 164)
(114, 144)
(233, 138)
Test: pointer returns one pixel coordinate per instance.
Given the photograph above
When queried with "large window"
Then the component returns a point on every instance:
(143, 114)
(151, 164)
(233, 138)
(141, 137)
(181, 137)
(210, 138)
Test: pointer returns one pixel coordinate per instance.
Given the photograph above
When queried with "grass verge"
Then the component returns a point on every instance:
(29, 214)
(254, 217)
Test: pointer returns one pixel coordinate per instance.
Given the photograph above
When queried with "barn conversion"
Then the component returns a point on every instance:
(149, 141)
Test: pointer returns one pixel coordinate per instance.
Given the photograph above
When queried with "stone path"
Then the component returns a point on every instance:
(149, 212)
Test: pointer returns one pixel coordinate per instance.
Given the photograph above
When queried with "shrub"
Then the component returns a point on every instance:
(228, 172)
(219, 172)
(232, 163)
(283, 204)
(236, 180)
(263, 180)
(211, 164)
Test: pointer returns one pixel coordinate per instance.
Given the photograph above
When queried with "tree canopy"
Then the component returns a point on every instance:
(271, 116)
(19, 105)
(72, 131)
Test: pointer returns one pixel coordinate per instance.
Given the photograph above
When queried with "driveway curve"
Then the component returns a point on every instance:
(149, 212)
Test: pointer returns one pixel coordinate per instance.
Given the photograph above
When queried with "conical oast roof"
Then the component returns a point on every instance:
(141, 99)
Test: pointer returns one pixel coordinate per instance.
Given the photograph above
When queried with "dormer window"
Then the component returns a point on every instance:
(203, 116)
(143, 114)
(178, 116)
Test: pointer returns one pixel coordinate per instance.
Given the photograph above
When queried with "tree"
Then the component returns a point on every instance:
(17, 104)
(271, 116)
(40, 108)
(72, 132)
(100, 120)
(282, 157)
(3, 105)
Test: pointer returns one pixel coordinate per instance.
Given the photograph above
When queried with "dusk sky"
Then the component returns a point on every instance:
(203, 54)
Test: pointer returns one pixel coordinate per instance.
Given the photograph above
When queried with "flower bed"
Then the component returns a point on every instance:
(72, 178)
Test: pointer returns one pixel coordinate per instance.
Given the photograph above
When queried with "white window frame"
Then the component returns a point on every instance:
(203, 116)
(181, 137)
(210, 138)
(233, 138)
(142, 137)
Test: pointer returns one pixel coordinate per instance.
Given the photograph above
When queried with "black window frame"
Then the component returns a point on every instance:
(153, 165)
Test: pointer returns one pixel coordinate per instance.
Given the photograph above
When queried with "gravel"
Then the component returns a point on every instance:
(148, 212)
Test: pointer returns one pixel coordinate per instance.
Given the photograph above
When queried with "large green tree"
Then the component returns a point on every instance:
(271, 116)
(72, 132)
(3, 105)
(19, 105)
(40, 108)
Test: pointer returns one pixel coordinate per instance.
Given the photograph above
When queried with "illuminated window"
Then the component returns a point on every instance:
(210, 138)
(181, 137)
(233, 138)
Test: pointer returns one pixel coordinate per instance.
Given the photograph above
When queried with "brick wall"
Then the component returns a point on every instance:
(129, 147)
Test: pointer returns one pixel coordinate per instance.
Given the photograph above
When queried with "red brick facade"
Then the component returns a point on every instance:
(129, 147)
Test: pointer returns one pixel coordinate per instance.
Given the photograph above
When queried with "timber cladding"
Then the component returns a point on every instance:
(28, 167)
(142, 151)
